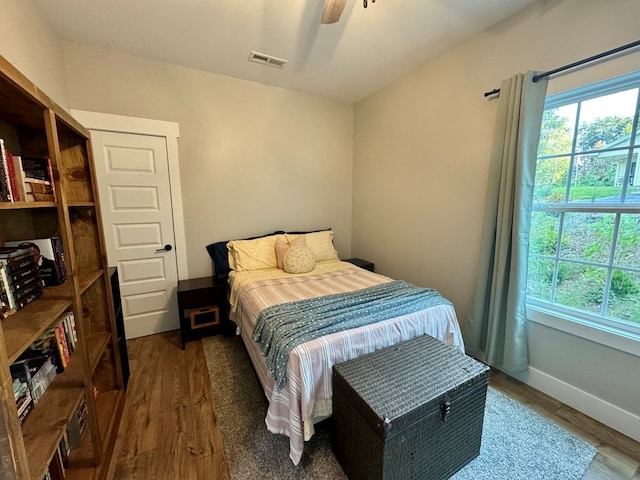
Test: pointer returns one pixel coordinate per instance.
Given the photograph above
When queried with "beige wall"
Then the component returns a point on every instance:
(253, 158)
(32, 46)
(421, 151)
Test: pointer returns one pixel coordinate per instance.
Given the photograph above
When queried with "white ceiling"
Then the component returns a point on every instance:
(364, 51)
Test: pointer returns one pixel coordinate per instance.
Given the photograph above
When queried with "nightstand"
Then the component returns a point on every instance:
(358, 262)
(202, 306)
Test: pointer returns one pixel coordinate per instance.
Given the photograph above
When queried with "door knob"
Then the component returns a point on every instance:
(167, 248)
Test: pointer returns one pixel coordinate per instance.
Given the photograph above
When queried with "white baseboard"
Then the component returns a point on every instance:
(615, 417)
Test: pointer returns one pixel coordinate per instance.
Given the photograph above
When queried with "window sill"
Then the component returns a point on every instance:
(618, 339)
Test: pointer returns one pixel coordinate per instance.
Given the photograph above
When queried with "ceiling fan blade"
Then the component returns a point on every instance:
(332, 10)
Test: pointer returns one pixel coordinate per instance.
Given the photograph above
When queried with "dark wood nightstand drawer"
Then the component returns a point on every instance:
(202, 305)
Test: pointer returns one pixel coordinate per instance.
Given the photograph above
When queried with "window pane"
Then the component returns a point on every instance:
(633, 181)
(593, 180)
(624, 296)
(540, 277)
(543, 236)
(606, 121)
(580, 286)
(628, 244)
(556, 133)
(551, 180)
(587, 236)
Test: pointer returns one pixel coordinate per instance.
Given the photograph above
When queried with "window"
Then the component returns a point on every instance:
(584, 256)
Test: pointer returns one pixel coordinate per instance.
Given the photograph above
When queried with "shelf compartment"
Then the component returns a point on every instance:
(44, 426)
(105, 375)
(95, 309)
(109, 406)
(86, 238)
(81, 461)
(74, 166)
(18, 105)
(27, 223)
(25, 326)
(96, 346)
(88, 279)
(85, 281)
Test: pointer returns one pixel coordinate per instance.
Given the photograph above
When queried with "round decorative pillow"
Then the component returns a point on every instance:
(299, 259)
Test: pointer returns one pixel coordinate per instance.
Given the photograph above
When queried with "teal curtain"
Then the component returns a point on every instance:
(496, 331)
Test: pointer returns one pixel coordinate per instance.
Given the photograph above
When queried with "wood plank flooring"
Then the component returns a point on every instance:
(169, 428)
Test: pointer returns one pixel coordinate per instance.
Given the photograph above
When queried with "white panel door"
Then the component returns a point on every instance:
(135, 197)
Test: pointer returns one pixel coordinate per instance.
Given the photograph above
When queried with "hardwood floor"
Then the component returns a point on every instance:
(169, 429)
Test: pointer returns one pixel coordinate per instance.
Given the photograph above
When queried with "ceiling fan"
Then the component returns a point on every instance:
(333, 9)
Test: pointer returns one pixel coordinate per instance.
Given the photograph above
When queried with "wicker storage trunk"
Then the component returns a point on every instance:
(409, 411)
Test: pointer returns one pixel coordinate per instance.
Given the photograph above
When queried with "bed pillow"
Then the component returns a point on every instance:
(321, 244)
(219, 254)
(253, 254)
(283, 244)
(299, 259)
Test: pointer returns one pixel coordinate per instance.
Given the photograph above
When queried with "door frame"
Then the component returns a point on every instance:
(145, 126)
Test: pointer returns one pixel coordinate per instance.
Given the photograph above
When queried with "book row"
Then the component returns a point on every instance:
(45, 358)
(25, 267)
(25, 179)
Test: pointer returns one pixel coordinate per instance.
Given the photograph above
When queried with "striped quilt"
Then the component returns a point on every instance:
(306, 397)
(281, 328)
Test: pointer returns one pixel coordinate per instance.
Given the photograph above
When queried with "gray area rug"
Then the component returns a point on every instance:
(516, 442)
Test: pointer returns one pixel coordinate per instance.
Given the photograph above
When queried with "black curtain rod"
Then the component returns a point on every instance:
(613, 51)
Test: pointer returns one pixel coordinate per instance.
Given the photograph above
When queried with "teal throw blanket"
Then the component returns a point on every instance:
(281, 328)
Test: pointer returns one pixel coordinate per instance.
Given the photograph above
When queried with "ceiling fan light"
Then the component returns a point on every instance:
(332, 10)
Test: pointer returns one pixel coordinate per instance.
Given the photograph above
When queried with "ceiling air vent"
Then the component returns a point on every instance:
(267, 59)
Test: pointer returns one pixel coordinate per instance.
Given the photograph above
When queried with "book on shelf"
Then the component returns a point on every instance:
(7, 302)
(49, 257)
(30, 270)
(16, 257)
(28, 295)
(25, 410)
(20, 281)
(22, 395)
(64, 449)
(13, 181)
(18, 178)
(38, 170)
(6, 194)
(57, 342)
(63, 346)
(37, 372)
(77, 426)
(38, 191)
(69, 325)
(28, 179)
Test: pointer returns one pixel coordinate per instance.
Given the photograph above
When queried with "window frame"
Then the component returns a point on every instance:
(619, 334)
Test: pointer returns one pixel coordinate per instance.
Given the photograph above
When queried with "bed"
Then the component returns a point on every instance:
(261, 285)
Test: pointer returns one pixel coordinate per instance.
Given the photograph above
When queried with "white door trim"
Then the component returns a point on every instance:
(144, 126)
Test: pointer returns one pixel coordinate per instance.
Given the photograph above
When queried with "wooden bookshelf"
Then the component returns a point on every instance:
(33, 125)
